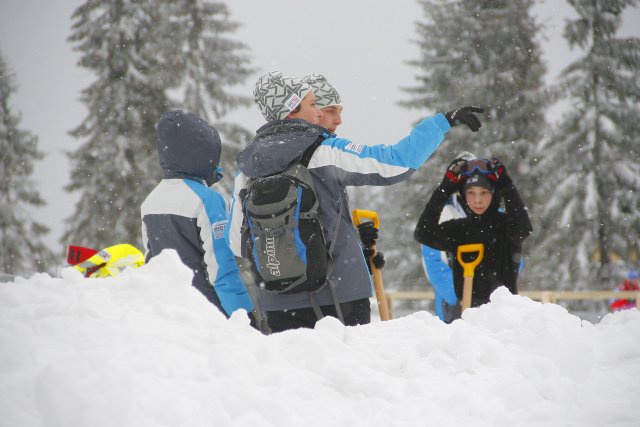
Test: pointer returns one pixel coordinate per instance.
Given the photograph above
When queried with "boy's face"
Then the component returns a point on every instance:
(308, 112)
(478, 199)
(331, 117)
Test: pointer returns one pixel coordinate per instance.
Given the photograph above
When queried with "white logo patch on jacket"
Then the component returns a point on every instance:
(356, 148)
(218, 229)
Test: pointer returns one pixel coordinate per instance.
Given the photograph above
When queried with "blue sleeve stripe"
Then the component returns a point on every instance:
(301, 249)
(208, 198)
(229, 287)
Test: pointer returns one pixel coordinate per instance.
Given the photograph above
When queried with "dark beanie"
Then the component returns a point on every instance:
(477, 180)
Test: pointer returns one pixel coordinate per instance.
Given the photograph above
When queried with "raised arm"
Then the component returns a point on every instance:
(359, 164)
(518, 223)
(428, 231)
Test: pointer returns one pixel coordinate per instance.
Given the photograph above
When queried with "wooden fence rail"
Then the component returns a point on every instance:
(542, 296)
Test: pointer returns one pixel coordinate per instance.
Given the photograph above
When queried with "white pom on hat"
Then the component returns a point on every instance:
(326, 95)
(277, 96)
(466, 155)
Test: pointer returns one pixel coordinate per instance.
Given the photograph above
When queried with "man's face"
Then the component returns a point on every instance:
(308, 110)
(331, 117)
(478, 199)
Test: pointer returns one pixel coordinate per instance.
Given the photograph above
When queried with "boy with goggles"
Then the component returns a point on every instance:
(438, 264)
(482, 185)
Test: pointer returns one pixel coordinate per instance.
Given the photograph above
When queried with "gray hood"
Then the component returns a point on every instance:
(188, 146)
(276, 145)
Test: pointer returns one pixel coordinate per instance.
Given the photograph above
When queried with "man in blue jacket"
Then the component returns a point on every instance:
(292, 134)
(184, 214)
(329, 103)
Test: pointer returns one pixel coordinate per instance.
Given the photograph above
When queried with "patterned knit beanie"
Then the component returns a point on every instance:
(277, 96)
(326, 95)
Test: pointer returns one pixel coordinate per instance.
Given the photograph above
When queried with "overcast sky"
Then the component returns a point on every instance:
(361, 46)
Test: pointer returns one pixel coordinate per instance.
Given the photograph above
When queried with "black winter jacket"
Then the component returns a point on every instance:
(502, 234)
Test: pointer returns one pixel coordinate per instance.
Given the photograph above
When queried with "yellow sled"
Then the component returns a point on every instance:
(111, 261)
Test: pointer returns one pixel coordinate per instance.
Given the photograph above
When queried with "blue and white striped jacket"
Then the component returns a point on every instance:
(184, 214)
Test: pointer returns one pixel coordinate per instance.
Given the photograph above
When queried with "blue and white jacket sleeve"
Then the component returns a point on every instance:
(220, 262)
(439, 273)
(358, 164)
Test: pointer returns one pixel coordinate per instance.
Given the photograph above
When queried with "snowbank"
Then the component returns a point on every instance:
(145, 349)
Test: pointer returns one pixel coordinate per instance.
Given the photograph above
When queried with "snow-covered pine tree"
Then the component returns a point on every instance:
(22, 250)
(142, 52)
(213, 62)
(591, 165)
(117, 165)
(482, 53)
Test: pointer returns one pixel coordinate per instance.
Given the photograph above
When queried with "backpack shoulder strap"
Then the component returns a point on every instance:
(308, 153)
(330, 283)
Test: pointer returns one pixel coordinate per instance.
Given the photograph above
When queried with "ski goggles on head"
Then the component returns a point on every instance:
(482, 166)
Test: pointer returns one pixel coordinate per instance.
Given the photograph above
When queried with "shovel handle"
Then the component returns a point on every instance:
(378, 286)
(467, 291)
(360, 214)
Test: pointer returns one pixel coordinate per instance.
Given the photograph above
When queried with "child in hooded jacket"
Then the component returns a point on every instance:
(184, 214)
(483, 184)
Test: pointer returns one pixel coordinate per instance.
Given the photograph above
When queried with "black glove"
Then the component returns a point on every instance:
(368, 234)
(452, 176)
(501, 172)
(378, 260)
(465, 116)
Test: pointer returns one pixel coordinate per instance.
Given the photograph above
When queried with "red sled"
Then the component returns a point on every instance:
(78, 254)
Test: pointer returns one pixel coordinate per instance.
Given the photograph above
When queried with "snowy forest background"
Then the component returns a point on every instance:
(578, 171)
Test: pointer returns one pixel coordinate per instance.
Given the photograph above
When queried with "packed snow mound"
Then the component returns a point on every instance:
(146, 349)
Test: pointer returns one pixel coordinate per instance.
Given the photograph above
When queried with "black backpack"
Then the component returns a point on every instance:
(282, 233)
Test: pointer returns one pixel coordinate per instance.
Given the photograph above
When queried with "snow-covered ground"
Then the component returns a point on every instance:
(145, 349)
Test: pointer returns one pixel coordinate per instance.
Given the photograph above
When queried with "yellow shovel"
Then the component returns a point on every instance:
(358, 215)
(469, 270)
